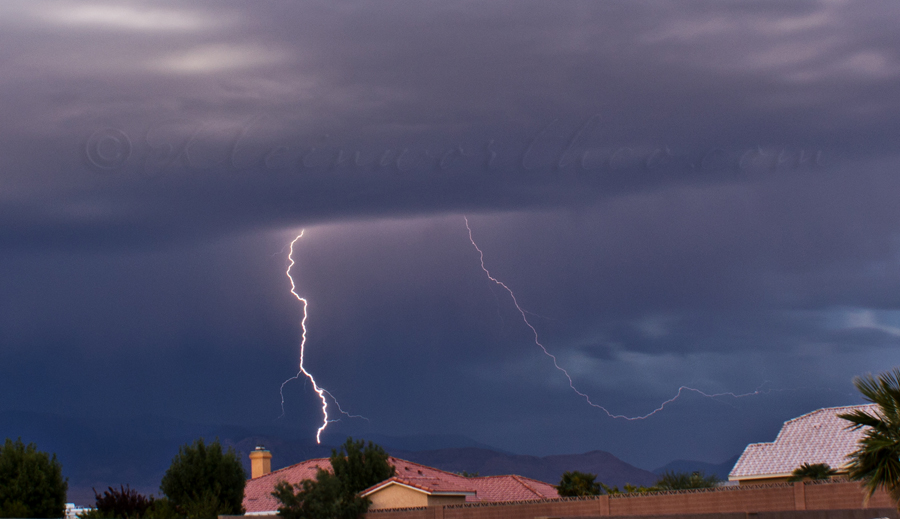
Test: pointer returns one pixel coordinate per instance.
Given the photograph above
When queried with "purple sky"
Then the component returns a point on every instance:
(684, 193)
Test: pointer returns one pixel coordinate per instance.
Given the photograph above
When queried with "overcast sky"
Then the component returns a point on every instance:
(694, 193)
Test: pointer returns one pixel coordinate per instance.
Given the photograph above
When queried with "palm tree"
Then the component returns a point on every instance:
(816, 471)
(876, 461)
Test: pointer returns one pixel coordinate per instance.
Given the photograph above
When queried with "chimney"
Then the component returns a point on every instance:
(260, 462)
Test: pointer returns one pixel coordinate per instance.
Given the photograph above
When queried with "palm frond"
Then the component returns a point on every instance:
(876, 461)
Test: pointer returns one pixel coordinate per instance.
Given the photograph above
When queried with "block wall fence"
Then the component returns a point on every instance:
(840, 498)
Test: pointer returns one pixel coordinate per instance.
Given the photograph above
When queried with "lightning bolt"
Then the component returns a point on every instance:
(319, 390)
(587, 398)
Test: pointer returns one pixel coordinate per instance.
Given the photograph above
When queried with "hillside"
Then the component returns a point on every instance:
(609, 469)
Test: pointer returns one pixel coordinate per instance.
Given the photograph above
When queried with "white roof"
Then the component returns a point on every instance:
(816, 437)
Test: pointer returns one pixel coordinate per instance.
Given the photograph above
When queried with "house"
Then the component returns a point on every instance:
(816, 437)
(414, 485)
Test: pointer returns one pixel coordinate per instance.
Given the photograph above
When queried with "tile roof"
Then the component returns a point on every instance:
(512, 488)
(816, 437)
(258, 492)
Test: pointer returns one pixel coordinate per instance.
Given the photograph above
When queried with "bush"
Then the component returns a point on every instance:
(124, 503)
(31, 482)
(684, 481)
(204, 481)
(578, 484)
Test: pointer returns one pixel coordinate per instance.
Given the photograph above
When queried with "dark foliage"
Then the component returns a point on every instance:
(322, 498)
(816, 471)
(578, 484)
(359, 466)
(685, 481)
(31, 482)
(628, 488)
(162, 508)
(124, 503)
(335, 495)
(876, 460)
(204, 481)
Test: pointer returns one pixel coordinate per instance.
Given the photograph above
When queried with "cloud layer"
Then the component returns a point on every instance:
(684, 193)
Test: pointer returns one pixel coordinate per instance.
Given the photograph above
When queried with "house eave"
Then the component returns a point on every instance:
(422, 490)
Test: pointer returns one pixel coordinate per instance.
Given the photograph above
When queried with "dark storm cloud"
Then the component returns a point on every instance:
(684, 193)
(497, 106)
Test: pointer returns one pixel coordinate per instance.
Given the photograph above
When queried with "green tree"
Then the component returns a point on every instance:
(204, 481)
(685, 480)
(876, 460)
(578, 484)
(335, 495)
(162, 508)
(359, 466)
(31, 482)
(322, 498)
(612, 490)
(816, 471)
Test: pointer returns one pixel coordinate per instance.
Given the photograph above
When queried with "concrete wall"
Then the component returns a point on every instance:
(813, 499)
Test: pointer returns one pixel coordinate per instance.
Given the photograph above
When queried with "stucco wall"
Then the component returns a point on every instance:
(396, 496)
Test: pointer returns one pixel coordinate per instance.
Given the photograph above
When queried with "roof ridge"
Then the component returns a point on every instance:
(807, 415)
(526, 485)
(532, 479)
(828, 409)
(282, 469)
(509, 476)
(427, 467)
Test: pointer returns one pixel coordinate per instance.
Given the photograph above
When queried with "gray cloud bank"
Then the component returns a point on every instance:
(685, 192)
(222, 116)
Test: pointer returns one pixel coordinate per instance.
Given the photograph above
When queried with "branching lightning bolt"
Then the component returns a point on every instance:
(587, 398)
(319, 390)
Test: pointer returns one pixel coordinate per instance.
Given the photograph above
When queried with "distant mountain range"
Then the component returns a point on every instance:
(608, 468)
(137, 452)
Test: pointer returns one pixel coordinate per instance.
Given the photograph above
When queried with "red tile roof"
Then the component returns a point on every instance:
(816, 437)
(258, 492)
(512, 488)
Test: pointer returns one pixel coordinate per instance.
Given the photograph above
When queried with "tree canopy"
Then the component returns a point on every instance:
(122, 503)
(31, 482)
(205, 481)
(578, 484)
(876, 461)
(335, 495)
(359, 466)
